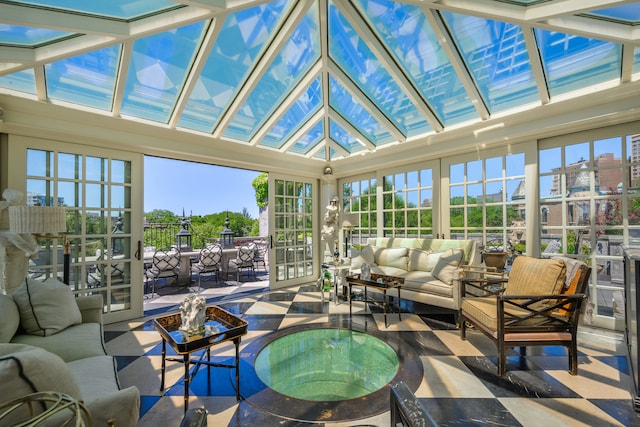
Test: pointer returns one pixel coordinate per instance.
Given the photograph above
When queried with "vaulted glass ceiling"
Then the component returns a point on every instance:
(324, 79)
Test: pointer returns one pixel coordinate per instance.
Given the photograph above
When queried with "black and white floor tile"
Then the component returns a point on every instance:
(457, 380)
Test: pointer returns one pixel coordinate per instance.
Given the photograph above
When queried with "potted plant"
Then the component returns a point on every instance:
(496, 253)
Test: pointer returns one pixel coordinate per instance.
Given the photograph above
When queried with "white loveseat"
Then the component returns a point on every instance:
(51, 341)
(431, 268)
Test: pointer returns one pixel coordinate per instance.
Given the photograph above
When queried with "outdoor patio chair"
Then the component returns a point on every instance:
(209, 262)
(260, 256)
(243, 260)
(98, 273)
(540, 306)
(165, 264)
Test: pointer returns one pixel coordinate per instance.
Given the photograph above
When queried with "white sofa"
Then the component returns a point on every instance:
(431, 268)
(51, 341)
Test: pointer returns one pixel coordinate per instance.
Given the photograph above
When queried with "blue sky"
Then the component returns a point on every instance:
(196, 187)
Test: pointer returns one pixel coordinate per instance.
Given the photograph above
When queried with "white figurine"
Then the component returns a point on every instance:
(193, 313)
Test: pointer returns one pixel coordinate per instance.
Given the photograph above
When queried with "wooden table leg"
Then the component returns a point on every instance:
(237, 343)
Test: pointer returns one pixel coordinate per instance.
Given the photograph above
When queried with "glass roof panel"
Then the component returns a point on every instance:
(122, 9)
(158, 69)
(351, 110)
(573, 62)
(235, 51)
(407, 32)
(301, 110)
(23, 81)
(344, 138)
(636, 60)
(627, 13)
(17, 35)
(299, 53)
(352, 54)
(309, 140)
(87, 79)
(496, 55)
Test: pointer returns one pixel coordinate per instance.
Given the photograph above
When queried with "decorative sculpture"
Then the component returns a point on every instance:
(330, 227)
(193, 313)
(365, 272)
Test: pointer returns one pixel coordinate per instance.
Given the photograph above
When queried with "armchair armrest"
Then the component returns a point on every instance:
(91, 307)
(532, 312)
(482, 281)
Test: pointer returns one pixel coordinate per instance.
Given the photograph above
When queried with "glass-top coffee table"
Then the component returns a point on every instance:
(220, 326)
(380, 282)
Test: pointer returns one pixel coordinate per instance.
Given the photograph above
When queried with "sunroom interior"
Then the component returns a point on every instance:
(516, 120)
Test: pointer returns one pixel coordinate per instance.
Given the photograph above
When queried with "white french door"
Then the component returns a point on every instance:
(292, 227)
(102, 191)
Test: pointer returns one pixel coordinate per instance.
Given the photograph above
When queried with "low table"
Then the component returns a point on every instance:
(220, 326)
(382, 283)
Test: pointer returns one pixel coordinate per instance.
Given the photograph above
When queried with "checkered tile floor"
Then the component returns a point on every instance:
(458, 386)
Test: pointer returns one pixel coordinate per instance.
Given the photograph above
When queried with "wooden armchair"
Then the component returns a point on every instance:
(540, 305)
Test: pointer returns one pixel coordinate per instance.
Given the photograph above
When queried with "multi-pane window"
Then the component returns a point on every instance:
(359, 198)
(487, 200)
(590, 206)
(97, 194)
(293, 219)
(408, 204)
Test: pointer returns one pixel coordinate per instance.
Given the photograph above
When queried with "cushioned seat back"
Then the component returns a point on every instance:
(536, 276)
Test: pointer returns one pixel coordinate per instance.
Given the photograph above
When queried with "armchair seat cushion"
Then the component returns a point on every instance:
(484, 310)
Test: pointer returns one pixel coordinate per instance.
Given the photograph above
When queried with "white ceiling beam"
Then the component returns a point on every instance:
(560, 8)
(627, 62)
(457, 62)
(536, 64)
(208, 41)
(337, 147)
(323, 27)
(389, 63)
(19, 55)
(352, 130)
(224, 5)
(279, 38)
(41, 84)
(121, 77)
(322, 145)
(591, 28)
(313, 121)
(365, 102)
(287, 102)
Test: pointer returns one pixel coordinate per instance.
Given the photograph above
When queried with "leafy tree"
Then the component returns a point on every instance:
(261, 186)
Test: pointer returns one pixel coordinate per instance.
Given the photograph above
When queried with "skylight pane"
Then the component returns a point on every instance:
(237, 47)
(158, 68)
(344, 138)
(636, 61)
(309, 140)
(23, 81)
(343, 103)
(572, 62)
(86, 79)
(407, 32)
(18, 35)
(301, 110)
(123, 9)
(356, 59)
(627, 13)
(299, 53)
(496, 55)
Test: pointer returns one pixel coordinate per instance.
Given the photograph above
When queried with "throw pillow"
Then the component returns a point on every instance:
(448, 262)
(46, 307)
(364, 257)
(10, 318)
(25, 369)
(392, 257)
(419, 260)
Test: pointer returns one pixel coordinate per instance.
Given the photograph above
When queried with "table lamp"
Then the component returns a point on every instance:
(44, 222)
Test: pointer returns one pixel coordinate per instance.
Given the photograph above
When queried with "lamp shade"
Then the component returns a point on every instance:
(350, 220)
(37, 219)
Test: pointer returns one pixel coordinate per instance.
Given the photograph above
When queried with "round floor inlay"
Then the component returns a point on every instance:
(326, 364)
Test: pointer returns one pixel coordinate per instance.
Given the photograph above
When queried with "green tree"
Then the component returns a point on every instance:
(261, 186)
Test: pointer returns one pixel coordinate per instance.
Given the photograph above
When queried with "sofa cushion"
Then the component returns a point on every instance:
(418, 260)
(364, 257)
(391, 257)
(535, 276)
(10, 318)
(423, 281)
(46, 307)
(25, 369)
(447, 264)
(385, 270)
(75, 342)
